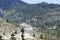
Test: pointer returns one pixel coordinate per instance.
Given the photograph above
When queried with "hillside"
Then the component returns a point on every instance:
(43, 16)
(6, 29)
(34, 14)
(7, 4)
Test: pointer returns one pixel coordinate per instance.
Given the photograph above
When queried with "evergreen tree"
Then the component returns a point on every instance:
(33, 35)
(12, 37)
(41, 36)
(1, 37)
(15, 32)
(22, 34)
(7, 20)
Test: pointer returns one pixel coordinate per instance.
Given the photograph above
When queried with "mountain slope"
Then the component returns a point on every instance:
(41, 16)
(34, 14)
(6, 29)
(6, 4)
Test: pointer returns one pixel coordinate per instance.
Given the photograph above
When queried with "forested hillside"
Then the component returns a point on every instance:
(42, 15)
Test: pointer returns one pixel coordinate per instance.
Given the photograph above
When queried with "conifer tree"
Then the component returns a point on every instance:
(1, 37)
(22, 34)
(12, 37)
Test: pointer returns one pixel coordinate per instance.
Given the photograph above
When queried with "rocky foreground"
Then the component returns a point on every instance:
(7, 29)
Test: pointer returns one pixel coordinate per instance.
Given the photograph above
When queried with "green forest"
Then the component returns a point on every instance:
(43, 16)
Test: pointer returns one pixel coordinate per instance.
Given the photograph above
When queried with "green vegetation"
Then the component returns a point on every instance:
(22, 30)
(34, 14)
(12, 37)
(1, 37)
(41, 15)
